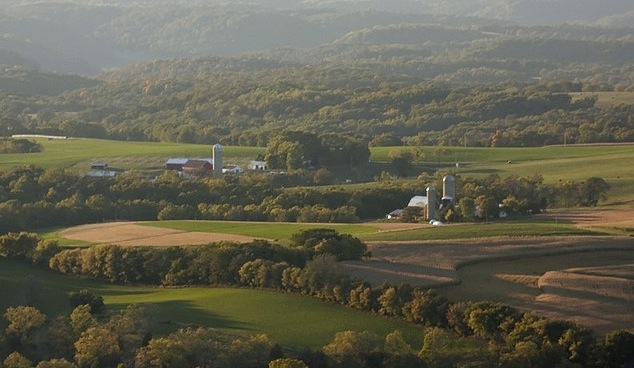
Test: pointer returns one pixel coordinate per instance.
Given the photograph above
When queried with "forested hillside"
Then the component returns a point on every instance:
(247, 101)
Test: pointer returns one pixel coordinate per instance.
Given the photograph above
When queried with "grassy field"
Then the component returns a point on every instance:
(554, 163)
(290, 320)
(482, 230)
(572, 162)
(606, 100)
(370, 232)
(286, 318)
(79, 153)
(266, 230)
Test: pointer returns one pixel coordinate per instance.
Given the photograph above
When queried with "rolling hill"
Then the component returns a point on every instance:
(86, 37)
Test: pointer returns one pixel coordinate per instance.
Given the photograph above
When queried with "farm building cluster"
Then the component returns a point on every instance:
(429, 203)
(434, 207)
(190, 167)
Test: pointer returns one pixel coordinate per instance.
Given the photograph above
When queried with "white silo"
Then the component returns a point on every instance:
(449, 190)
(449, 186)
(432, 204)
(217, 160)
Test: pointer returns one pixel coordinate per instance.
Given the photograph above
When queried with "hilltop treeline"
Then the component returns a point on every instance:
(248, 108)
(32, 198)
(482, 334)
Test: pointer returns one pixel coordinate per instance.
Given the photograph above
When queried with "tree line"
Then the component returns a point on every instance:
(8, 145)
(481, 333)
(32, 197)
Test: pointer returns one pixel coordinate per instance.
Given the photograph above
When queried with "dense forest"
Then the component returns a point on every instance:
(250, 106)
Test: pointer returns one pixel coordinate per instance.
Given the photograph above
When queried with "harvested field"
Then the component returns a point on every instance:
(132, 234)
(622, 271)
(609, 219)
(516, 271)
(602, 302)
(587, 286)
(452, 254)
(596, 290)
(377, 272)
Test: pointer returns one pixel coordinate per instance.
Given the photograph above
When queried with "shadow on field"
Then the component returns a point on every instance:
(377, 272)
(175, 314)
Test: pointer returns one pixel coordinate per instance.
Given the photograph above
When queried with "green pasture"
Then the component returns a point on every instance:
(606, 100)
(80, 152)
(367, 232)
(482, 230)
(470, 155)
(265, 230)
(554, 163)
(288, 319)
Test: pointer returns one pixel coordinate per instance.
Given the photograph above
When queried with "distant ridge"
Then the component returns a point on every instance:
(86, 37)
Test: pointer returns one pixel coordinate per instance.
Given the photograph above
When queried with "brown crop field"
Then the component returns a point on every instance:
(131, 234)
(586, 279)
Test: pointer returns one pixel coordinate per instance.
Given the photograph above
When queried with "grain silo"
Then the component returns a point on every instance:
(432, 204)
(449, 190)
(449, 186)
(217, 160)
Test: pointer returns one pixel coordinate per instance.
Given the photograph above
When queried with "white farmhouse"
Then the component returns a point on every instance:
(257, 165)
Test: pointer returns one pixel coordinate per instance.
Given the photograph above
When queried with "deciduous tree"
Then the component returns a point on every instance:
(23, 322)
(97, 347)
(593, 190)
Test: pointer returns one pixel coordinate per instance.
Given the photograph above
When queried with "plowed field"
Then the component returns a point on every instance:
(132, 234)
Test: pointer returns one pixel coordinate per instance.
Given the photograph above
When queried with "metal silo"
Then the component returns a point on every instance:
(217, 160)
(449, 189)
(432, 204)
(449, 186)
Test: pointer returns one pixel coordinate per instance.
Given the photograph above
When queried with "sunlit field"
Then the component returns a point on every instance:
(78, 153)
(288, 319)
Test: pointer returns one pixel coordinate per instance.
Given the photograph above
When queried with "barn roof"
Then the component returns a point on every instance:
(198, 163)
(177, 161)
(417, 201)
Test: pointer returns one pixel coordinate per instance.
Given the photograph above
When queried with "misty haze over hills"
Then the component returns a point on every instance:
(85, 37)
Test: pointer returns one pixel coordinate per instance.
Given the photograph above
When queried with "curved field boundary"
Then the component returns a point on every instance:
(190, 232)
(438, 263)
(132, 234)
(289, 319)
(587, 286)
(377, 272)
(547, 285)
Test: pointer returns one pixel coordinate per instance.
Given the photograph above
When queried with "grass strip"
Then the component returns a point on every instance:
(482, 230)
